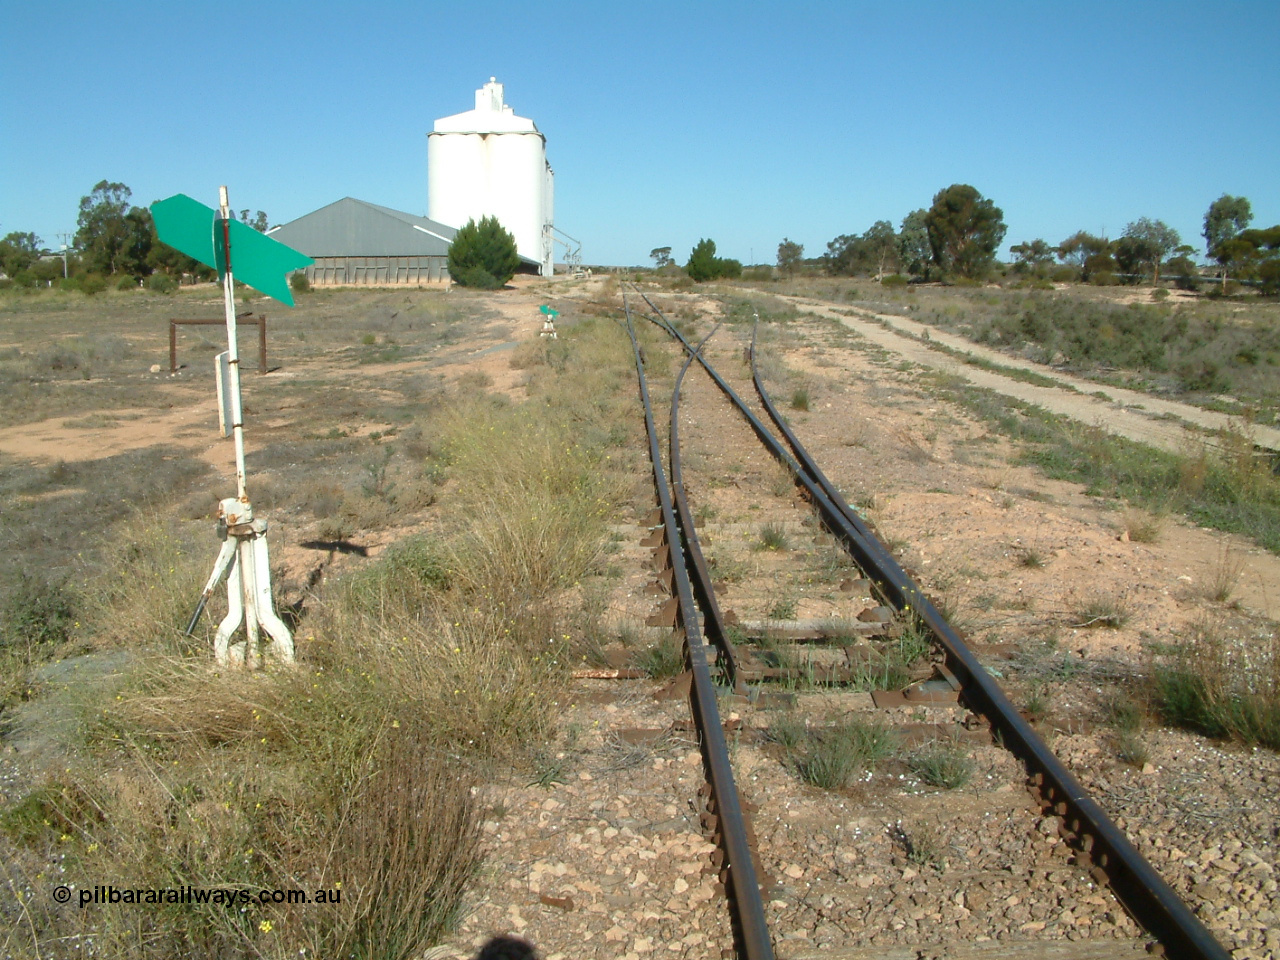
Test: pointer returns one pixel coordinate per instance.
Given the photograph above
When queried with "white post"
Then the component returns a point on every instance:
(229, 305)
(247, 563)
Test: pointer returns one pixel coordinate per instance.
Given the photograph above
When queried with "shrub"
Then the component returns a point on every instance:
(161, 283)
(1203, 375)
(483, 255)
(299, 283)
(90, 284)
(126, 283)
(1269, 276)
(894, 280)
(37, 612)
(1185, 274)
(1098, 263)
(702, 261)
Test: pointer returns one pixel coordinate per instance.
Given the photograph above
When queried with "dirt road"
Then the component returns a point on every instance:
(1165, 424)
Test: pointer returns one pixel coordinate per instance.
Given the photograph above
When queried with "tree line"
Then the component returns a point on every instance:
(114, 239)
(958, 235)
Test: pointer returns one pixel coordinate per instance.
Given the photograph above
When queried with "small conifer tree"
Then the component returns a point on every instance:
(483, 255)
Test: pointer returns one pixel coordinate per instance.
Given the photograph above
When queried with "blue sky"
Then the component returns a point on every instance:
(666, 122)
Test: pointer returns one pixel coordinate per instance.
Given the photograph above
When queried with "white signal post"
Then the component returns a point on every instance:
(243, 557)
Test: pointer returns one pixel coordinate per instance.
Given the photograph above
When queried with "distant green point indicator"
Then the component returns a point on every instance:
(549, 312)
(256, 260)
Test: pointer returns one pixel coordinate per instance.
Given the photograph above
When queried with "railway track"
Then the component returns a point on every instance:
(1099, 851)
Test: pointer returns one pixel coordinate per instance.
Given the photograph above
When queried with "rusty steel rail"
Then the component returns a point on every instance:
(713, 625)
(751, 933)
(1100, 844)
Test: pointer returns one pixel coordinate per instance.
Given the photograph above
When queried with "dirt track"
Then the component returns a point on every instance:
(1165, 424)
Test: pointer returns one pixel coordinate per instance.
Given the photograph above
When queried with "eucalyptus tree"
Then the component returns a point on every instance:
(965, 229)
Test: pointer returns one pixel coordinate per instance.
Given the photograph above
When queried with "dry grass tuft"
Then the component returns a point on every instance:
(1100, 609)
(1225, 576)
(1143, 526)
(918, 450)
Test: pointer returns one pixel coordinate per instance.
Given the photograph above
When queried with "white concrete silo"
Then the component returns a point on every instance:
(489, 162)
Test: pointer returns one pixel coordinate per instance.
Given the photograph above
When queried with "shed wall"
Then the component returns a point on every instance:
(329, 271)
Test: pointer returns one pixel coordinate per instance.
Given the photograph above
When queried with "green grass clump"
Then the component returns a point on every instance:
(665, 659)
(892, 670)
(800, 398)
(1221, 687)
(1132, 749)
(834, 757)
(941, 764)
(784, 608)
(787, 730)
(773, 536)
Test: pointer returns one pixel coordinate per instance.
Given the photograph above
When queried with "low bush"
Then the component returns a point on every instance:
(299, 283)
(1142, 526)
(1207, 348)
(91, 284)
(36, 612)
(161, 283)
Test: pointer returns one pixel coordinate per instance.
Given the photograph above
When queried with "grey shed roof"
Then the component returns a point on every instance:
(353, 228)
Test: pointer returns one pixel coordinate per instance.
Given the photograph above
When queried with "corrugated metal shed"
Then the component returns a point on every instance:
(354, 242)
(354, 228)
